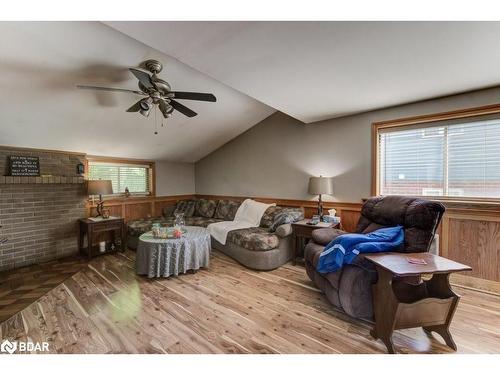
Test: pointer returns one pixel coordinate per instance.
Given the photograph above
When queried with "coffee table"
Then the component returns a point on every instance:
(171, 257)
(429, 304)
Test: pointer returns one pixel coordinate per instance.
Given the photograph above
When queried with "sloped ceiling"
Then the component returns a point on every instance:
(318, 70)
(41, 62)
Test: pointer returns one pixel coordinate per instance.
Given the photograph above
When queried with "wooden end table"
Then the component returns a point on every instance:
(91, 229)
(429, 304)
(302, 232)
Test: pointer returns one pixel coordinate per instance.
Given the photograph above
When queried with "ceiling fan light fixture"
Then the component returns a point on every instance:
(157, 92)
(145, 111)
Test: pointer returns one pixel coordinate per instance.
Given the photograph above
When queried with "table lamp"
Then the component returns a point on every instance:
(100, 188)
(318, 186)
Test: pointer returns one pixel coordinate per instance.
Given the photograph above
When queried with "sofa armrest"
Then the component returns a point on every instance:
(324, 236)
(284, 230)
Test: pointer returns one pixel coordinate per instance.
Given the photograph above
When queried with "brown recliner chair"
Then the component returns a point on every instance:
(350, 288)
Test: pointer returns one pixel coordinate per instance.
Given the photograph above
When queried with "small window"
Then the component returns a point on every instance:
(136, 177)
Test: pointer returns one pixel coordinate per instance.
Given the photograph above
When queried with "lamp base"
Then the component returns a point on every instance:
(99, 208)
(320, 208)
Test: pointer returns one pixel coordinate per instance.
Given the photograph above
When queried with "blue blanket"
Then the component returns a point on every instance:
(343, 249)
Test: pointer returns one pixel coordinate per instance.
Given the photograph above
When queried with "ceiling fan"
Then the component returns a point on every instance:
(158, 92)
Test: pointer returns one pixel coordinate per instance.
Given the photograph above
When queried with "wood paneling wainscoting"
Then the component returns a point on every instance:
(134, 208)
(469, 232)
(349, 212)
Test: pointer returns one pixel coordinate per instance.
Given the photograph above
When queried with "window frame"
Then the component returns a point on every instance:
(105, 159)
(425, 120)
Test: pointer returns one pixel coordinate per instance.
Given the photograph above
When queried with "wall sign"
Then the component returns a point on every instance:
(24, 165)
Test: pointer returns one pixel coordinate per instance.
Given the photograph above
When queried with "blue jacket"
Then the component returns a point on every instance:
(344, 248)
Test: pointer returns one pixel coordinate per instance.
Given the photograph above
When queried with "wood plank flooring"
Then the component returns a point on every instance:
(106, 308)
(21, 287)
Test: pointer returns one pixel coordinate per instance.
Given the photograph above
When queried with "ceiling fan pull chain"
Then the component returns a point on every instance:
(156, 123)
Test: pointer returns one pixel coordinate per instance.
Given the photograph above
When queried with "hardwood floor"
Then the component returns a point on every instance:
(106, 308)
(21, 287)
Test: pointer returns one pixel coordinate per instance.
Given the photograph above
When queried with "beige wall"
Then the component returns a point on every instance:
(174, 178)
(276, 157)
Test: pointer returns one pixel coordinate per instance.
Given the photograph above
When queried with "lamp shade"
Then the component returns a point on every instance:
(99, 187)
(320, 185)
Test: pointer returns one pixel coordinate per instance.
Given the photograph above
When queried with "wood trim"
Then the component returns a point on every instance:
(441, 116)
(109, 159)
(122, 206)
(475, 283)
(422, 119)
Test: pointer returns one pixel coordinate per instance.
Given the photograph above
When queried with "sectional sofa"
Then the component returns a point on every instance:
(266, 247)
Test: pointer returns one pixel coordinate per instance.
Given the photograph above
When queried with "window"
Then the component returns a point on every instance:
(452, 158)
(136, 177)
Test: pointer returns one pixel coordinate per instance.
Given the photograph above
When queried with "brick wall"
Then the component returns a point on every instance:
(40, 220)
(51, 163)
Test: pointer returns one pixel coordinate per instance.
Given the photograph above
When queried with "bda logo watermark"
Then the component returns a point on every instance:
(10, 347)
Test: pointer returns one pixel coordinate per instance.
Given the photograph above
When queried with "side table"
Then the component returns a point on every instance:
(91, 229)
(302, 232)
(429, 304)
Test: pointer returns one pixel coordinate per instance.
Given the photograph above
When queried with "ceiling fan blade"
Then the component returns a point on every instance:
(194, 96)
(136, 107)
(182, 109)
(85, 87)
(143, 77)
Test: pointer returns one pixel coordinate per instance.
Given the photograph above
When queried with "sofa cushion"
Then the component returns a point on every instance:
(268, 218)
(137, 227)
(226, 209)
(205, 208)
(419, 217)
(324, 236)
(199, 221)
(255, 239)
(185, 207)
(286, 215)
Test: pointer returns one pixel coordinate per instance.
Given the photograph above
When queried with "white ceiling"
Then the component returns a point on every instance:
(309, 70)
(319, 70)
(41, 62)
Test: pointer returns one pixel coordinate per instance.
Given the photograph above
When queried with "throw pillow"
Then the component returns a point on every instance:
(185, 207)
(205, 208)
(287, 216)
(226, 209)
(268, 217)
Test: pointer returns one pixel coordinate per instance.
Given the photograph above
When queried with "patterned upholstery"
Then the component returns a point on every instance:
(137, 227)
(185, 207)
(226, 209)
(255, 239)
(199, 221)
(205, 208)
(268, 217)
(287, 215)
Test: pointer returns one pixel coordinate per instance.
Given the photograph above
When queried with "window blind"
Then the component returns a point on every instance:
(134, 177)
(451, 160)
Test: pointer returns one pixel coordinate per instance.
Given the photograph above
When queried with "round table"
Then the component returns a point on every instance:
(157, 257)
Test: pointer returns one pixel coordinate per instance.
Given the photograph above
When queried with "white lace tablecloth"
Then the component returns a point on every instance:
(166, 257)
